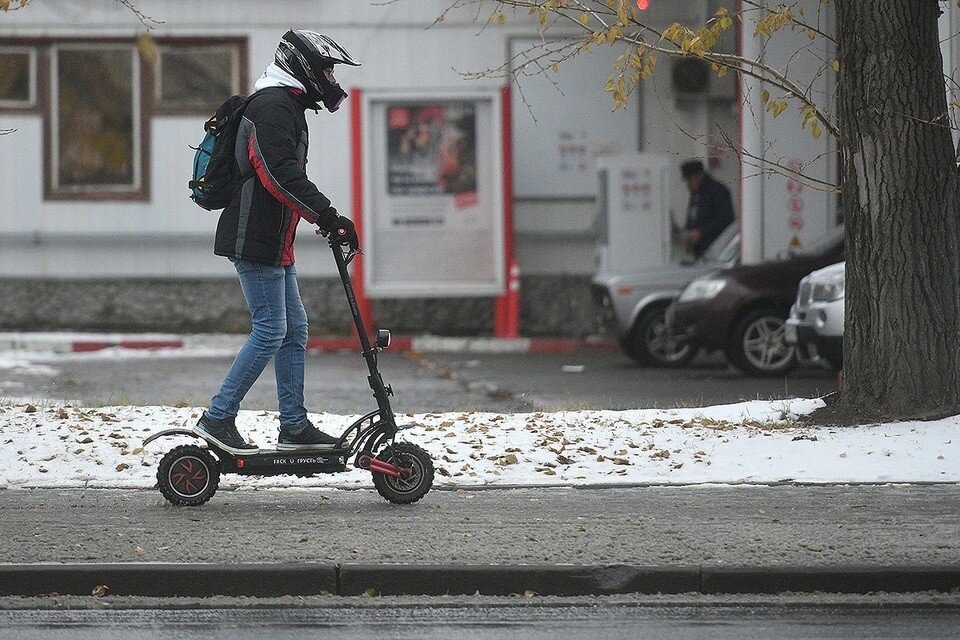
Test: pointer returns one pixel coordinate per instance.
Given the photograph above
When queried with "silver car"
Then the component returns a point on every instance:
(633, 305)
(816, 319)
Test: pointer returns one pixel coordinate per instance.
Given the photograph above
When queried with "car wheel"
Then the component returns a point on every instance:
(650, 342)
(759, 345)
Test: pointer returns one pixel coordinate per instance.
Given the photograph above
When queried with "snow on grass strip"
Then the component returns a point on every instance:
(750, 442)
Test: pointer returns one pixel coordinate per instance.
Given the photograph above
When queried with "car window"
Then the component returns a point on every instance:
(828, 243)
(731, 253)
(720, 249)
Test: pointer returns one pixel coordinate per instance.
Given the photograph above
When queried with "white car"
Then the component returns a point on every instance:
(816, 318)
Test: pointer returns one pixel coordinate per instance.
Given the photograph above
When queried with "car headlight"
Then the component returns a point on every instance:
(830, 289)
(703, 289)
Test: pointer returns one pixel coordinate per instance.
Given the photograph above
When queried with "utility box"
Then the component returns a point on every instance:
(633, 213)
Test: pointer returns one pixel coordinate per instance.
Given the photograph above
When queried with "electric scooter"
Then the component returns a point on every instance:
(188, 475)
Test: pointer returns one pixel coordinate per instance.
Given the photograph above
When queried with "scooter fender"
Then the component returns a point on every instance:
(171, 432)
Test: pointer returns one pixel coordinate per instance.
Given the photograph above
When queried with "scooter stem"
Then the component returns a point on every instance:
(369, 353)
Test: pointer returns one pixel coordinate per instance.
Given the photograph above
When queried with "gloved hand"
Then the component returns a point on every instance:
(344, 230)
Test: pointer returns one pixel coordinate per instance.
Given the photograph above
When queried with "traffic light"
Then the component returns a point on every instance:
(643, 5)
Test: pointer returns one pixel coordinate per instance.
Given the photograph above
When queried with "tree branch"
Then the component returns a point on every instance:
(739, 64)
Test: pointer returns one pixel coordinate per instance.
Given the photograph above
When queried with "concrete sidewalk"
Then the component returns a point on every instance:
(684, 535)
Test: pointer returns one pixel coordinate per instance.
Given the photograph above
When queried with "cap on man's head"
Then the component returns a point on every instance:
(691, 168)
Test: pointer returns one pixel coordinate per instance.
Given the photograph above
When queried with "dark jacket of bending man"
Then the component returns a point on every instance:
(710, 210)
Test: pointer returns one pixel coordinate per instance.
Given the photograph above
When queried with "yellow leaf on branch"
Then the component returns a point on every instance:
(148, 48)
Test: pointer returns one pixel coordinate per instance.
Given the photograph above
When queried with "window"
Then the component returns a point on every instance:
(197, 78)
(96, 97)
(95, 119)
(17, 77)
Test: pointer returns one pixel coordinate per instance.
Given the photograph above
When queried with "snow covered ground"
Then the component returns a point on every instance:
(750, 442)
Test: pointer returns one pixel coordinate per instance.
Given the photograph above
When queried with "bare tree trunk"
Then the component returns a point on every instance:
(900, 196)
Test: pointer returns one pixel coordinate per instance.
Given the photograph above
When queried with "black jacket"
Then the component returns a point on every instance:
(260, 222)
(711, 211)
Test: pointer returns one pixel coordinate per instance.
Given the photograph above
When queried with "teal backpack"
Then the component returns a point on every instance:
(216, 176)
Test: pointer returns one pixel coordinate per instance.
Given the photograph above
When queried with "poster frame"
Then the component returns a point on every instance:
(435, 289)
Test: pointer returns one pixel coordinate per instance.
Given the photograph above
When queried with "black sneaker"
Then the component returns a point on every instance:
(307, 437)
(224, 434)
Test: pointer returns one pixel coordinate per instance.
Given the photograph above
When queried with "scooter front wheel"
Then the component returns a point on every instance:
(188, 476)
(412, 486)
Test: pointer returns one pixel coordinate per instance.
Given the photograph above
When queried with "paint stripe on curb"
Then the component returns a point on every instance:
(273, 580)
(53, 342)
(564, 346)
(142, 345)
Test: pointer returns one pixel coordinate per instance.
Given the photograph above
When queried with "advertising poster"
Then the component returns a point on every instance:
(432, 149)
(434, 177)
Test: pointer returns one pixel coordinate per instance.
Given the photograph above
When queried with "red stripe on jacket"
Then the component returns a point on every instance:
(287, 256)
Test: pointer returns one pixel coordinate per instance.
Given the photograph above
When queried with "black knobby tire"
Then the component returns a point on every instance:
(400, 490)
(188, 476)
(648, 345)
(761, 334)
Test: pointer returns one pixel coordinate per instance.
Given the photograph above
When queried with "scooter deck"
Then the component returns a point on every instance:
(274, 463)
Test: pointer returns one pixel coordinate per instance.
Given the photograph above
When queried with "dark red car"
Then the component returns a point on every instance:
(742, 310)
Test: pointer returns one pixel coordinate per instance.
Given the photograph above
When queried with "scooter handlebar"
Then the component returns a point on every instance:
(334, 239)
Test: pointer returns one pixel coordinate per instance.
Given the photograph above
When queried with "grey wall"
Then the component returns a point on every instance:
(551, 305)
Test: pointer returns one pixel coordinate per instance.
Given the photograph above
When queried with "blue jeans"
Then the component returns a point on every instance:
(279, 332)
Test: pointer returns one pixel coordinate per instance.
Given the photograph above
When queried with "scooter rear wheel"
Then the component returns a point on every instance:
(188, 476)
(405, 490)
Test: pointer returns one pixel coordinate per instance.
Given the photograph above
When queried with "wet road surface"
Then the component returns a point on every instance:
(529, 622)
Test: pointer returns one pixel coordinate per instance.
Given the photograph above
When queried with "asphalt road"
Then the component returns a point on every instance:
(336, 382)
(591, 380)
(641, 526)
(598, 621)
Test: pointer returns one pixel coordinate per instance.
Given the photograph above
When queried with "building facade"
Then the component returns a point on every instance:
(96, 225)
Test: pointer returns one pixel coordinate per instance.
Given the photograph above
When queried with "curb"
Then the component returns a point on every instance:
(274, 580)
(54, 342)
(168, 580)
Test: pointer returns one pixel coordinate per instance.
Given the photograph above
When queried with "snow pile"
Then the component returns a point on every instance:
(751, 442)
(24, 363)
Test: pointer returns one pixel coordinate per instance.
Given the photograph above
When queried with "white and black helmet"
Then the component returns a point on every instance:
(306, 55)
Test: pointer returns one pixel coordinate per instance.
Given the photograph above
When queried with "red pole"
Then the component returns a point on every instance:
(506, 310)
(356, 181)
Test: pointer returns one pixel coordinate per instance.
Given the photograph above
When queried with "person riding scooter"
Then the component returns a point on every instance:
(256, 232)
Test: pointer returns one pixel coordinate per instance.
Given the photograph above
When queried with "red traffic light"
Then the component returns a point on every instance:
(643, 5)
